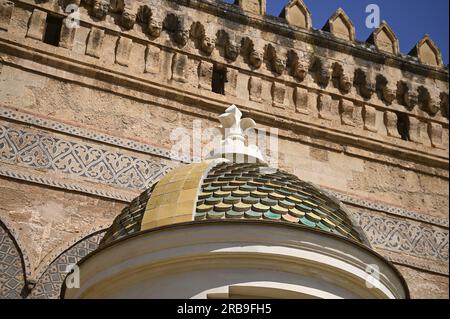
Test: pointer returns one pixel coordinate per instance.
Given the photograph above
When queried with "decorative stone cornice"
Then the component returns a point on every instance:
(87, 68)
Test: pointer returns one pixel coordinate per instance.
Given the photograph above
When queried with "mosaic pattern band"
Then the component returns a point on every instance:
(22, 117)
(403, 236)
(41, 151)
(442, 222)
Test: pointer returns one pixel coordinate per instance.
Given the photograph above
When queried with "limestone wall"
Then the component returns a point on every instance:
(85, 126)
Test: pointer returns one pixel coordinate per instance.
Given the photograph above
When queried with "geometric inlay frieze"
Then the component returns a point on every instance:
(12, 279)
(27, 148)
(403, 236)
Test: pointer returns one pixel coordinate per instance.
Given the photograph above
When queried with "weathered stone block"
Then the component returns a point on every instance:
(95, 42)
(231, 83)
(415, 130)
(205, 72)
(390, 121)
(325, 104)
(123, 50)
(36, 26)
(301, 99)
(180, 67)
(67, 36)
(6, 9)
(255, 89)
(346, 109)
(153, 59)
(278, 95)
(370, 118)
(435, 133)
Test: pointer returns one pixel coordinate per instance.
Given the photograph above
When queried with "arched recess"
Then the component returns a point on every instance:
(12, 266)
(49, 284)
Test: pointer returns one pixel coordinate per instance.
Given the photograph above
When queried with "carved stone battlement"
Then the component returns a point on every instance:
(320, 76)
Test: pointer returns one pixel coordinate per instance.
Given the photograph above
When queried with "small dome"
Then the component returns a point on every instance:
(220, 189)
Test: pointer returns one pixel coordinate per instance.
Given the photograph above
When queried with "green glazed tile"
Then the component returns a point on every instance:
(303, 208)
(277, 209)
(199, 216)
(247, 188)
(240, 193)
(212, 201)
(231, 200)
(215, 215)
(204, 208)
(265, 189)
(221, 194)
(282, 191)
(252, 214)
(272, 216)
(286, 204)
(225, 179)
(258, 194)
(323, 227)
(241, 207)
(229, 188)
(222, 207)
(234, 214)
(210, 189)
(200, 202)
(260, 208)
(268, 202)
(250, 200)
(307, 222)
(204, 195)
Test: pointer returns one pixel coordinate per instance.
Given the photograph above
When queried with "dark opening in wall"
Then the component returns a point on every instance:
(219, 78)
(53, 30)
(403, 126)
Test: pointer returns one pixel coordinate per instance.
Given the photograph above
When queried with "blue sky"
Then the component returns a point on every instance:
(410, 19)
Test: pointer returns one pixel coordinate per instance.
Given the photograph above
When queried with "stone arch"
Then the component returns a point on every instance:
(297, 14)
(13, 263)
(341, 26)
(385, 39)
(427, 52)
(49, 284)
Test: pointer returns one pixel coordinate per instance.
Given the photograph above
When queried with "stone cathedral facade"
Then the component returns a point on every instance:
(87, 115)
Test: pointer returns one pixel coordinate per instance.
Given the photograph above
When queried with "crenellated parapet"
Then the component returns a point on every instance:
(278, 65)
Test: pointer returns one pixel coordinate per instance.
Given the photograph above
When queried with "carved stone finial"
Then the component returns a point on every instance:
(427, 52)
(341, 26)
(253, 6)
(385, 39)
(297, 14)
(234, 129)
